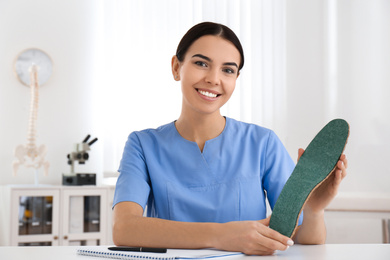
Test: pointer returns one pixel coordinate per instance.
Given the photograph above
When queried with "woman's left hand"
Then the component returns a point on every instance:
(325, 193)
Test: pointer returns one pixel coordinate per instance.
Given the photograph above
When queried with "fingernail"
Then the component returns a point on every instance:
(290, 242)
(287, 247)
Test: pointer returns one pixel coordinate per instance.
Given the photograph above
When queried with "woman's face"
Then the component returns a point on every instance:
(208, 74)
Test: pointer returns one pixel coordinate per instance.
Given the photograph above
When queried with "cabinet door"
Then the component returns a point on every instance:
(354, 227)
(84, 216)
(34, 217)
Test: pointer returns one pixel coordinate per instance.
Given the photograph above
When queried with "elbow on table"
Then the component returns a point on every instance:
(121, 236)
(309, 238)
(117, 235)
(125, 225)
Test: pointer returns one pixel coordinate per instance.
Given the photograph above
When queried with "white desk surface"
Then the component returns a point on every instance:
(301, 252)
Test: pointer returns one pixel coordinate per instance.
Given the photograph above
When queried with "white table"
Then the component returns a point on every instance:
(301, 252)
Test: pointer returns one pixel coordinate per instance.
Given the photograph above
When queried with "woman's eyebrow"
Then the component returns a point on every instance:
(208, 59)
(231, 64)
(202, 56)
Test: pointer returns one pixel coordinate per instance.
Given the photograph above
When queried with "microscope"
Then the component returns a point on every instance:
(79, 154)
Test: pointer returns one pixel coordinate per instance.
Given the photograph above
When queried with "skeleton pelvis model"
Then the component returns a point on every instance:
(29, 154)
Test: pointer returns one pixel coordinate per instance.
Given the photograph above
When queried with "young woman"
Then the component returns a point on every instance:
(205, 177)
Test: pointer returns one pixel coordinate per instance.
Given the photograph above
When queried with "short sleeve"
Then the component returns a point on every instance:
(133, 183)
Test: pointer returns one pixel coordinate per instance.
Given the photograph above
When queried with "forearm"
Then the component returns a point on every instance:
(313, 230)
(130, 228)
(154, 232)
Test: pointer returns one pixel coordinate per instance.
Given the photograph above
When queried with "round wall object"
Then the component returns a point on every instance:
(29, 57)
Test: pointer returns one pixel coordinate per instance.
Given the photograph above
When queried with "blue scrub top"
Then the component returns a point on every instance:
(229, 181)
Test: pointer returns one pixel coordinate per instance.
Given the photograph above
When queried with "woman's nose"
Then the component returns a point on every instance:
(213, 77)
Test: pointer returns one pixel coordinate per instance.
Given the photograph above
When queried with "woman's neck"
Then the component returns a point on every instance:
(199, 129)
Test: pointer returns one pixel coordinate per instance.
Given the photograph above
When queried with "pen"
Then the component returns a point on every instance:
(138, 249)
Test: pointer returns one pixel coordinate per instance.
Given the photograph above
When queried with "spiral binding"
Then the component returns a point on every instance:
(118, 255)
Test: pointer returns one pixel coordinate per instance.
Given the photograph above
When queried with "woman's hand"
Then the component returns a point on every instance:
(251, 238)
(326, 192)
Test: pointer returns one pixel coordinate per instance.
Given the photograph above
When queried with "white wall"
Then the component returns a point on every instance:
(336, 66)
(363, 69)
(68, 31)
(338, 61)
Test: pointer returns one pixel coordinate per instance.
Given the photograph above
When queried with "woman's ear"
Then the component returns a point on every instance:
(175, 64)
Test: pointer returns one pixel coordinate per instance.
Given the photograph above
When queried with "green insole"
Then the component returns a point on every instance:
(314, 166)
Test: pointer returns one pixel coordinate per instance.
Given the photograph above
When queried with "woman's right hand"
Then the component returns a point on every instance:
(251, 238)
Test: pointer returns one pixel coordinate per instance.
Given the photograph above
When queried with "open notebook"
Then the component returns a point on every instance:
(171, 254)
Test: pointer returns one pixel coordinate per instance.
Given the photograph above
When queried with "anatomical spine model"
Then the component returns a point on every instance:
(30, 155)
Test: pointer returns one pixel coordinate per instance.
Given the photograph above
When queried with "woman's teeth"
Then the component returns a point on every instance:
(207, 94)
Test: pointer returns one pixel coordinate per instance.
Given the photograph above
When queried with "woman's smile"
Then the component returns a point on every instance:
(208, 94)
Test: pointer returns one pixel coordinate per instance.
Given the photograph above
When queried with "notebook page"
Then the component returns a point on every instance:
(172, 254)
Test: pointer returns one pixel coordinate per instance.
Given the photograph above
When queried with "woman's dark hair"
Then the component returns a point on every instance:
(208, 28)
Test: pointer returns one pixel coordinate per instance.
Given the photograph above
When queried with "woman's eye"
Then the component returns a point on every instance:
(229, 71)
(201, 63)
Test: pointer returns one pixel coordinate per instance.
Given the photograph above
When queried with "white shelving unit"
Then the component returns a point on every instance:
(54, 215)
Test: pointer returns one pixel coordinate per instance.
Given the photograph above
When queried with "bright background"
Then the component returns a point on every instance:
(307, 62)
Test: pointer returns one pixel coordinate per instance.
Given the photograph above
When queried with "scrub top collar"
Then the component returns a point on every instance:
(210, 140)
